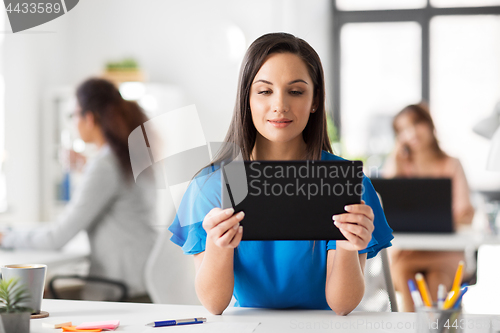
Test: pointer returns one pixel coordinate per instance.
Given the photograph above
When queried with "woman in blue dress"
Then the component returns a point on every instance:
(279, 115)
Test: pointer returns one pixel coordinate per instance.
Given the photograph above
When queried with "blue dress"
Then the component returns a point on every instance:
(270, 274)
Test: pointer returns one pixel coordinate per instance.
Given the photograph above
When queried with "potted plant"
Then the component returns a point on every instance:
(14, 316)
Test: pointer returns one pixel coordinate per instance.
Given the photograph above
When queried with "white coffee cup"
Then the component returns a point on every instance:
(32, 276)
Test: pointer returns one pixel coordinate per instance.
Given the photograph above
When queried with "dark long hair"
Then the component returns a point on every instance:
(242, 131)
(420, 113)
(116, 117)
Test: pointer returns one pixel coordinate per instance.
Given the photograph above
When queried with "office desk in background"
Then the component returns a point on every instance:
(463, 240)
(72, 254)
(134, 316)
(53, 259)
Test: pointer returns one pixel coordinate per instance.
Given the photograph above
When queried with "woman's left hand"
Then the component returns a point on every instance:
(356, 225)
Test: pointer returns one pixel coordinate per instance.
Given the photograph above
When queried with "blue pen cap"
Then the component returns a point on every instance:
(411, 285)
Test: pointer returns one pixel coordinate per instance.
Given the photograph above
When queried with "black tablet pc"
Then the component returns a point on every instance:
(291, 200)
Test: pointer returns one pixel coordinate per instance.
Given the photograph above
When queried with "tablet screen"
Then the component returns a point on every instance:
(291, 200)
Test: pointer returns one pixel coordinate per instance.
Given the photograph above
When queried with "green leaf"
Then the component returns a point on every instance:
(12, 293)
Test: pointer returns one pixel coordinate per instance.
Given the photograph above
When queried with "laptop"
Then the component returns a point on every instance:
(291, 200)
(416, 205)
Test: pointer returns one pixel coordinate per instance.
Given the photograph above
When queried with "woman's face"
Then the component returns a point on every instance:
(416, 134)
(281, 98)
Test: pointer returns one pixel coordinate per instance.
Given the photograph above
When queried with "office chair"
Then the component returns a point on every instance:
(379, 290)
(102, 289)
(169, 273)
(380, 295)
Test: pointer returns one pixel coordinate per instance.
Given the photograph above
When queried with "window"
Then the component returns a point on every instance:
(387, 55)
(465, 77)
(381, 4)
(383, 61)
(464, 3)
(3, 187)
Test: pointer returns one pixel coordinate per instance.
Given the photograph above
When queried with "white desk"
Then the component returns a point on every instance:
(71, 259)
(77, 250)
(53, 259)
(460, 241)
(134, 316)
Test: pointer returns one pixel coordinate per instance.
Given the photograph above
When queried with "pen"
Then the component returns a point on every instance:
(177, 322)
(459, 299)
(228, 188)
(452, 299)
(417, 300)
(455, 289)
(424, 291)
(458, 277)
(441, 295)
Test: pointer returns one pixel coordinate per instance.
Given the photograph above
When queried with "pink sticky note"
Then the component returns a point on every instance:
(105, 325)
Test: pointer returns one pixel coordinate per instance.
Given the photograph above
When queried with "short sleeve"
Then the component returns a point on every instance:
(382, 234)
(202, 195)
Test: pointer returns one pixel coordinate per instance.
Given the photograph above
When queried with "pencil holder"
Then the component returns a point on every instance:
(439, 321)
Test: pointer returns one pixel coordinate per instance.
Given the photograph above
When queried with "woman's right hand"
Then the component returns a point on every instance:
(223, 227)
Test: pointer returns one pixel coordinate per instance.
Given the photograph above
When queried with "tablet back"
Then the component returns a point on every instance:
(291, 200)
(420, 205)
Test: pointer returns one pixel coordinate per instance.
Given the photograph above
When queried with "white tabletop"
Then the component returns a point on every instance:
(458, 241)
(134, 316)
(74, 251)
(52, 259)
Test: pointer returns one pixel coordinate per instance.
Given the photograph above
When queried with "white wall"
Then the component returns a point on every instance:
(175, 42)
(31, 61)
(179, 42)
